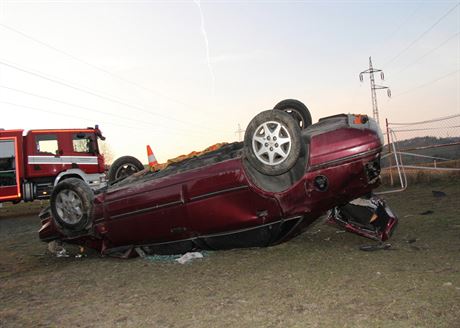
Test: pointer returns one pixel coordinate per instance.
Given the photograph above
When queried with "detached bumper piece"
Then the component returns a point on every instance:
(367, 216)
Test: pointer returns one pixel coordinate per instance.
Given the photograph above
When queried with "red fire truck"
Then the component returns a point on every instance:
(32, 164)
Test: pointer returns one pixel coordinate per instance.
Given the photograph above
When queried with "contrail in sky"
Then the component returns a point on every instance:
(205, 36)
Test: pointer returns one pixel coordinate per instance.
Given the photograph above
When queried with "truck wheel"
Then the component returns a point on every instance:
(123, 167)
(72, 204)
(297, 110)
(272, 142)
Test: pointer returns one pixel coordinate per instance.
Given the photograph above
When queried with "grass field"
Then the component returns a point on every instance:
(319, 279)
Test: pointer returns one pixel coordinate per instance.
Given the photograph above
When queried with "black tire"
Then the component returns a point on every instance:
(271, 152)
(72, 204)
(123, 167)
(297, 110)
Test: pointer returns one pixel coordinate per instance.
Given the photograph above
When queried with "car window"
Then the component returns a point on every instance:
(83, 143)
(47, 143)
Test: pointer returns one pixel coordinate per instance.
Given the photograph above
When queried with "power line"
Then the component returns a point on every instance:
(421, 35)
(400, 26)
(428, 83)
(428, 121)
(74, 105)
(103, 70)
(70, 104)
(95, 94)
(94, 110)
(406, 20)
(80, 117)
(68, 85)
(62, 114)
(427, 53)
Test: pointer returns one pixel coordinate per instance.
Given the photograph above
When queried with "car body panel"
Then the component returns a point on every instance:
(216, 203)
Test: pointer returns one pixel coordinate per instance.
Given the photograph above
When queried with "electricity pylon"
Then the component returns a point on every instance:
(371, 71)
(239, 131)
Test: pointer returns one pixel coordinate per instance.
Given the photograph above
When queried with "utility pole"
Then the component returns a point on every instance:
(239, 131)
(371, 71)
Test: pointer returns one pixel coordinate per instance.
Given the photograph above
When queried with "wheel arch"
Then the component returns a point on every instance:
(71, 173)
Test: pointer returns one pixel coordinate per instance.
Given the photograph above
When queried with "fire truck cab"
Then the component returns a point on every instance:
(32, 164)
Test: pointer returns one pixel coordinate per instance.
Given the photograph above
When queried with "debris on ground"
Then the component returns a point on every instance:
(62, 253)
(57, 249)
(377, 247)
(187, 257)
(162, 258)
(140, 252)
(427, 212)
(437, 193)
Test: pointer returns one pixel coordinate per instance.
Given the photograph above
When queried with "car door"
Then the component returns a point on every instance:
(221, 200)
(148, 211)
(10, 188)
(43, 158)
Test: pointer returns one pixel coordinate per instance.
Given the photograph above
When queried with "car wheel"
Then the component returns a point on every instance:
(72, 204)
(297, 110)
(272, 142)
(123, 167)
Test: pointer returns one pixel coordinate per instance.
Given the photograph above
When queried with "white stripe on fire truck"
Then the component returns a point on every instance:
(89, 160)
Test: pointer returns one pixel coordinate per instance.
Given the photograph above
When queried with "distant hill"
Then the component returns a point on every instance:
(425, 141)
(441, 148)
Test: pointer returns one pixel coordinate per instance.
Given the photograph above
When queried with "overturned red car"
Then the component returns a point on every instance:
(286, 174)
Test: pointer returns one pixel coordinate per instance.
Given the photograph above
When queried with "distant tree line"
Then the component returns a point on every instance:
(442, 148)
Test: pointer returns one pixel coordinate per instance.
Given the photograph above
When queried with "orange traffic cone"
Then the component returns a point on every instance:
(152, 160)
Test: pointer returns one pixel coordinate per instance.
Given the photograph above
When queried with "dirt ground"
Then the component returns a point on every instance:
(319, 279)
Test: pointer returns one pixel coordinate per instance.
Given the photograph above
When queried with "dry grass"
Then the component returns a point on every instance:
(8, 210)
(418, 176)
(320, 279)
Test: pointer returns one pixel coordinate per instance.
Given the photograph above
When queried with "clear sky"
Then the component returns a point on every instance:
(165, 74)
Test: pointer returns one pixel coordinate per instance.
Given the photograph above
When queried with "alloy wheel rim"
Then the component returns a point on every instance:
(69, 206)
(271, 143)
